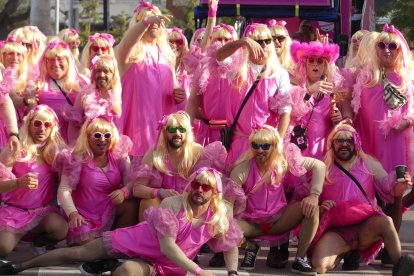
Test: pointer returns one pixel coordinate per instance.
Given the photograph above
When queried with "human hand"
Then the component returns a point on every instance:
(117, 197)
(401, 187)
(76, 220)
(321, 86)
(336, 116)
(179, 95)
(28, 180)
(309, 205)
(168, 193)
(157, 19)
(327, 205)
(255, 49)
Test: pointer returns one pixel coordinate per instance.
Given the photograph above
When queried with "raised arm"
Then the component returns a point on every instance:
(211, 22)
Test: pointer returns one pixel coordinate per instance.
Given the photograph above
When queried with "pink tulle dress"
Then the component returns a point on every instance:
(352, 208)
(147, 96)
(270, 96)
(375, 122)
(141, 241)
(24, 208)
(91, 198)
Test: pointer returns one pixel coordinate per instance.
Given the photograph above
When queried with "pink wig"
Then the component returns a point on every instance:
(301, 51)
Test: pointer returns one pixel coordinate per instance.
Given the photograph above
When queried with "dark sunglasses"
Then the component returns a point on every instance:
(176, 41)
(39, 124)
(313, 60)
(280, 39)
(204, 187)
(390, 46)
(340, 141)
(97, 48)
(256, 146)
(27, 45)
(98, 135)
(181, 129)
(266, 41)
(223, 39)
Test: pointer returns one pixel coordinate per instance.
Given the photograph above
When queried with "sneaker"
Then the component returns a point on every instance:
(249, 261)
(404, 267)
(351, 261)
(97, 267)
(301, 266)
(385, 259)
(277, 257)
(7, 268)
(217, 260)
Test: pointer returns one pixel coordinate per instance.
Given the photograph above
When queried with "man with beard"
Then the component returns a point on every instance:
(352, 225)
(164, 171)
(159, 246)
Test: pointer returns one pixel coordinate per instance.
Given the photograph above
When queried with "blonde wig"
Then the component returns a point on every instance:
(219, 223)
(54, 142)
(82, 148)
(277, 159)
(351, 59)
(285, 59)
(70, 36)
(31, 35)
(222, 31)
(175, 34)
(22, 71)
(272, 63)
(190, 151)
(86, 52)
(60, 49)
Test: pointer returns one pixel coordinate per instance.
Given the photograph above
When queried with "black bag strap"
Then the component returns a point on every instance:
(318, 99)
(63, 92)
(246, 98)
(353, 179)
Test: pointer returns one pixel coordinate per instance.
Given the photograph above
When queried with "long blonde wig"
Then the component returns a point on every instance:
(86, 52)
(32, 35)
(70, 36)
(351, 59)
(53, 144)
(190, 151)
(285, 59)
(277, 159)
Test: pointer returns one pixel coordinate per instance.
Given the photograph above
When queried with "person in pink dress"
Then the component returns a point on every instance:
(282, 41)
(93, 191)
(263, 212)
(34, 41)
(272, 94)
(71, 37)
(352, 224)
(383, 118)
(59, 84)
(165, 169)
(27, 185)
(146, 65)
(165, 243)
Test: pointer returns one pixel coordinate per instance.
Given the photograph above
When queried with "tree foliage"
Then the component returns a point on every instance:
(401, 16)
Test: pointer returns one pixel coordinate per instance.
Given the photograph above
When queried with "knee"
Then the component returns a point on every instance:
(56, 226)
(387, 223)
(319, 266)
(129, 269)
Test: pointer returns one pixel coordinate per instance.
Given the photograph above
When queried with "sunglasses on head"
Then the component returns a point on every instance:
(181, 129)
(390, 46)
(98, 135)
(223, 39)
(340, 141)
(257, 146)
(176, 41)
(280, 39)
(204, 187)
(267, 41)
(39, 124)
(313, 60)
(97, 48)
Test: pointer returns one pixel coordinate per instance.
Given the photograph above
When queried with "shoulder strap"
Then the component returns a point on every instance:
(353, 179)
(63, 92)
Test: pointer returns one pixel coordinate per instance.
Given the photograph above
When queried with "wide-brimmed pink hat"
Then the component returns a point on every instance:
(301, 51)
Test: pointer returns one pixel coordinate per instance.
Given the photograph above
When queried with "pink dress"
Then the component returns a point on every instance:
(91, 198)
(352, 208)
(147, 96)
(270, 96)
(25, 208)
(141, 241)
(375, 121)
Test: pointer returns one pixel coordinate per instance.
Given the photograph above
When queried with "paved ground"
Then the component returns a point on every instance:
(406, 234)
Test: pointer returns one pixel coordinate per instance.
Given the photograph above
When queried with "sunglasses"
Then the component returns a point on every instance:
(390, 46)
(280, 39)
(98, 135)
(223, 39)
(27, 45)
(181, 129)
(256, 146)
(267, 41)
(312, 60)
(178, 42)
(58, 59)
(39, 124)
(340, 141)
(97, 48)
(204, 187)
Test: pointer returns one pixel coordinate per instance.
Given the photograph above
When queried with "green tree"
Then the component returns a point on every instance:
(401, 16)
(87, 17)
(119, 25)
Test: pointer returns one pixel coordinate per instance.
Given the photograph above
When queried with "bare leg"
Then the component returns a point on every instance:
(250, 230)
(91, 251)
(145, 203)
(52, 228)
(326, 252)
(8, 242)
(132, 268)
(291, 216)
(127, 213)
(307, 233)
(395, 212)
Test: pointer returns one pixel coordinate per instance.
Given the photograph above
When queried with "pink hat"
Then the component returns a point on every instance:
(300, 51)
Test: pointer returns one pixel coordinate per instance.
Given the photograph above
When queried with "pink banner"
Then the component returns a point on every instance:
(275, 3)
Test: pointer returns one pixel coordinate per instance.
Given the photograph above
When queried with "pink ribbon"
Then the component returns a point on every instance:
(54, 43)
(230, 29)
(106, 36)
(273, 22)
(404, 45)
(74, 31)
(143, 5)
(217, 176)
(162, 122)
(250, 28)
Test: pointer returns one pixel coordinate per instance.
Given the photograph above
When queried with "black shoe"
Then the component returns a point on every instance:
(351, 261)
(8, 268)
(385, 259)
(404, 267)
(249, 261)
(278, 257)
(196, 260)
(217, 260)
(98, 267)
(301, 266)
(205, 249)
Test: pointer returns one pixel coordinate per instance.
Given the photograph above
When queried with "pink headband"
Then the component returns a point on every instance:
(106, 36)
(12, 38)
(250, 28)
(280, 23)
(229, 28)
(355, 135)
(217, 177)
(74, 31)
(143, 5)
(404, 45)
(45, 107)
(100, 116)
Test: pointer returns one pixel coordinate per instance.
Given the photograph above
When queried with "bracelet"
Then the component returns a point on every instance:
(124, 190)
(231, 272)
(154, 193)
(197, 271)
(14, 134)
(159, 192)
